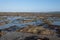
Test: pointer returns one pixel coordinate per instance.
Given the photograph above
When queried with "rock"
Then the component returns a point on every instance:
(36, 38)
(45, 38)
(15, 36)
(31, 38)
(37, 30)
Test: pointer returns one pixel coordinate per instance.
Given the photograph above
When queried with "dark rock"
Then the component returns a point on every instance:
(36, 38)
(45, 38)
(0, 32)
(31, 38)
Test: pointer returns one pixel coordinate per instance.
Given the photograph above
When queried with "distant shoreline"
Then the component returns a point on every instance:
(57, 14)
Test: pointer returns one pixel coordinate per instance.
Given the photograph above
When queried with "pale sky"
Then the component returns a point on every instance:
(29, 5)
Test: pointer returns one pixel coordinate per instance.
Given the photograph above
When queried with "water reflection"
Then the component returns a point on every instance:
(18, 22)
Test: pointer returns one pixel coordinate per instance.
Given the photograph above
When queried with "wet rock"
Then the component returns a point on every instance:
(58, 35)
(58, 32)
(2, 23)
(45, 38)
(31, 38)
(12, 28)
(36, 38)
(0, 33)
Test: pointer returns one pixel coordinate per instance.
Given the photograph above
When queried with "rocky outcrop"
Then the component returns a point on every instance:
(36, 30)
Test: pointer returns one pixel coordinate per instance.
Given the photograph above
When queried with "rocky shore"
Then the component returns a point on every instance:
(26, 36)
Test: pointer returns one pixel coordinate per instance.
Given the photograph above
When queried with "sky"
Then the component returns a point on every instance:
(29, 5)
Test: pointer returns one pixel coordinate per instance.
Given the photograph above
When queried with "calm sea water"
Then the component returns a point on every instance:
(17, 21)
